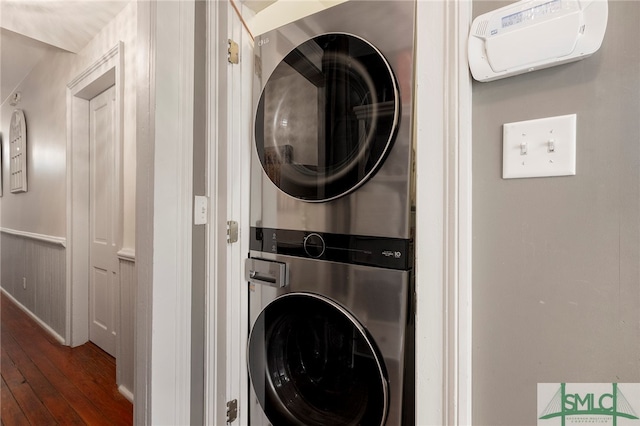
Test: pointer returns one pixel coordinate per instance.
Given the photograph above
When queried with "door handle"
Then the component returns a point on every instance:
(266, 272)
(254, 276)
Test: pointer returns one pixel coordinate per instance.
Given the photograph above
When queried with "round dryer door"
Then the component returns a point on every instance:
(311, 363)
(327, 117)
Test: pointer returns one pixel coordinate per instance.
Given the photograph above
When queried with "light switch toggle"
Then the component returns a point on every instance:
(523, 148)
(552, 145)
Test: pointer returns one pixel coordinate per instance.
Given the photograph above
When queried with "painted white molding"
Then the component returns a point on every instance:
(33, 316)
(458, 261)
(126, 393)
(105, 60)
(460, 113)
(105, 72)
(127, 254)
(145, 135)
(216, 287)
(172, 191)
(60, 241)
(443, 239)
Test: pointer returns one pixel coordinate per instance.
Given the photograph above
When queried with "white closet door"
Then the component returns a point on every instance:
(103, 285)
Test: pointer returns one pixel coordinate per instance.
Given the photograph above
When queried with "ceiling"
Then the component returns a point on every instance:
(31, 28)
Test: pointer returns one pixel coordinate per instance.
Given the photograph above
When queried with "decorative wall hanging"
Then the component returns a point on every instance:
(18, 154)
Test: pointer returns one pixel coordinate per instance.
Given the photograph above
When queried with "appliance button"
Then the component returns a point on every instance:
(314, 245)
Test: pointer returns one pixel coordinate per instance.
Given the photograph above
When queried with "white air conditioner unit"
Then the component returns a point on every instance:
(531, 34)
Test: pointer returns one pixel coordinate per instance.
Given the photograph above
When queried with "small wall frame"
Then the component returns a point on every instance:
(18, 152)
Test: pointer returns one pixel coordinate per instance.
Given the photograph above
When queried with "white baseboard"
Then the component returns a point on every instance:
(41, 323)
(126, 393)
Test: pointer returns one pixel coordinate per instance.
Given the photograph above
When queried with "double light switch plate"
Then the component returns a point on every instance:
(538, 148)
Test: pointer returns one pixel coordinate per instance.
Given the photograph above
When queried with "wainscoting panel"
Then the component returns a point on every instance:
(126, 343)
(34, 273)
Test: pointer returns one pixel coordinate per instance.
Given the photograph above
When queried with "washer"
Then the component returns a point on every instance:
(331, 343)
(330, 267)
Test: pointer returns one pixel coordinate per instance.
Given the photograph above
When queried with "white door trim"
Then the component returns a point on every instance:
(240, 130)
(460, 18)
(229, 107)
(172, 214)
(164, 197)
(215, 307)
(443, 223)
(105, 72)
(145, 135)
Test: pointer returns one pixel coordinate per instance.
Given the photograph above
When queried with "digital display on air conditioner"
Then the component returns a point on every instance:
(531, 13)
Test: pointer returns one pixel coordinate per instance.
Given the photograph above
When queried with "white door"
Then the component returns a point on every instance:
(103, 281)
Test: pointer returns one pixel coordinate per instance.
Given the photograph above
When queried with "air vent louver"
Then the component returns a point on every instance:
(482, 27)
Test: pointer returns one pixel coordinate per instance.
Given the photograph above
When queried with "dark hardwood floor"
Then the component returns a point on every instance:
(45, 383)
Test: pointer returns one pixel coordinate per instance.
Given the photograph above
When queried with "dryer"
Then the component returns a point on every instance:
(332, 133)
(330, 267)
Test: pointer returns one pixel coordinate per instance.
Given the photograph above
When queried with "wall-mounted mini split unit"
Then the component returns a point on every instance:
(531, 34)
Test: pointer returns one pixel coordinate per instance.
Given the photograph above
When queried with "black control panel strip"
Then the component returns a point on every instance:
(383, 252)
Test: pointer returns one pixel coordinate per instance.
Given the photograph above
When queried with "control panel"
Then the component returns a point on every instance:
(392, 253)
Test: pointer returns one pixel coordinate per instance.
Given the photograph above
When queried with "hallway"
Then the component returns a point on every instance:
(44, 382)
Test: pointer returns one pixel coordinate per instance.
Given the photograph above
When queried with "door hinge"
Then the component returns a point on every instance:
(232, 231)
(232, 410)
(234, 55)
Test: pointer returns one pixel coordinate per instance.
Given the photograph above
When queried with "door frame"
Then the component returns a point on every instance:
(443, 225)
(216, 311)
(164, 210)
(443, 228)
(443, 238)
(229, 115)
(105, 72)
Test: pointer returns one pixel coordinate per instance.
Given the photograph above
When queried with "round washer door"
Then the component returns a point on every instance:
(327, 117)
(311, 363)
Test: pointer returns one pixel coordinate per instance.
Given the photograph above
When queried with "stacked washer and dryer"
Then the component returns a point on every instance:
(330, 267)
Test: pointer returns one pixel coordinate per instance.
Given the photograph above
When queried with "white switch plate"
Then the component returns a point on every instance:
(542, 147)
(200, 209)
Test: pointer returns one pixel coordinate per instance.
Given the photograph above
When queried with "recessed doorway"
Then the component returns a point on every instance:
(86, 180)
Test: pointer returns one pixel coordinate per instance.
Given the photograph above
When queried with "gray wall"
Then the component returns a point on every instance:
(42, 209)
(556, 280)
(199, 242)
